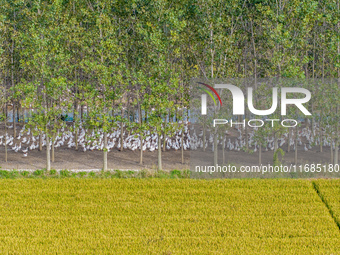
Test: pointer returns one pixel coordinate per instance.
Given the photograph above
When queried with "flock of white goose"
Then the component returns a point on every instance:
(307, 138)
(93, 140)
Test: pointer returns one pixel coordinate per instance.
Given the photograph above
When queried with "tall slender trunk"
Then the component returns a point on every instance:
(128, 115)
(336, 148)
(289, 137)
(332, 152)
(81, 112)
(246, 131)
(320, 131)
(276, 146)
(6, 134)
(18, 115)
(75, 122)
(53, 139)
(159, 152)
(141, 136)
(296, 144)
(336, 140)
(260, 154)
(336, 145)
(6, 115)
(164, 140)
(121, 131)
(323, 77)
(204, 136)
(12, 81)
(14, 122)
(48, 155)
(215, 147)
(141, 148)
(223, 152)
(105, 152)
(40, 141)
(182, 146)
(255, 55)
(76, 138)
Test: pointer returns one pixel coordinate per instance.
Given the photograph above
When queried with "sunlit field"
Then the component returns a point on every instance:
(168, 216)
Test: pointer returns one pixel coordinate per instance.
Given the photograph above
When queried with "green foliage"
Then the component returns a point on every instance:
(144, 174)
(175, 174)
(119, 57)
(9, 174)
(92, 174)
(276, 160)
(82, 174)
(64, 173)
(53, 172)
(39, 172)
(25, 173)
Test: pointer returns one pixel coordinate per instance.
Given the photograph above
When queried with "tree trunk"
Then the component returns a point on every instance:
(336, 152)
(18, 115)
(260, 154)
(75, 120)
(215, 148)
(182, 147)
(121, 132)
(204, 137)
(320, 130)
(289, 137)
(246, 131)
(332, 152)
(296, 144)
(159, 152)
(139, 110)
(336, 145)
(76, 138)
(164, 143)
(81, 112)
(48, 155)
(105, 152)
(6, 134)
(53, 138)
(312, 121)
(14, 123)
(40, 141)
(128, 116)
(223, 152)
(12, 81)
(276, 146)
(141, 148)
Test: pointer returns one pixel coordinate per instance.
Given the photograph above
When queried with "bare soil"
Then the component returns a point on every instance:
(71, 159)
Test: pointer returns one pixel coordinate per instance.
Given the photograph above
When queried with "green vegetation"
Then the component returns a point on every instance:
(153, 216)
(127, 65)
(43, 173)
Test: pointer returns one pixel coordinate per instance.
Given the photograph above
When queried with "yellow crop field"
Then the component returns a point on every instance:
(329, 190)
(165, 216)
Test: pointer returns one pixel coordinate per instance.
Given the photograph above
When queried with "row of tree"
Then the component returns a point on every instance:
(136, 58)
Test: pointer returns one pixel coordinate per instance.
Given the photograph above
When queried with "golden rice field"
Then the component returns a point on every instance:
(168, 216)
(330, 193)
